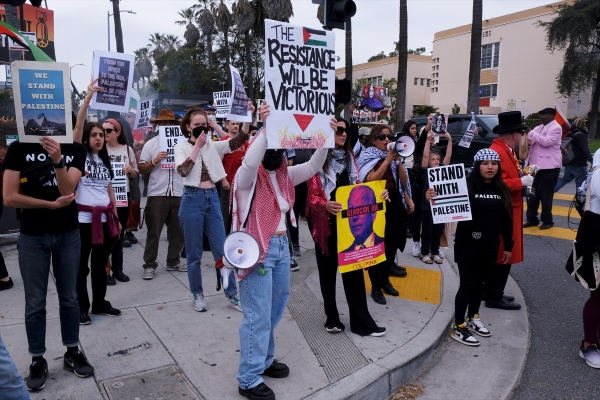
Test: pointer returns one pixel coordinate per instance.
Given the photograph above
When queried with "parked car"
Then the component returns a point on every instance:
(457, 125)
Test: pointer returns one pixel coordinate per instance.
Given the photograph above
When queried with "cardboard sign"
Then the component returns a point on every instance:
(360, 226)
(373, 104)
(119, 183)
(169, 136)
(238, 107)
(469, 134)
(42, 94)
(115, 76)
(452, 201)
(142, 115)
(222, 101)
(299, 86)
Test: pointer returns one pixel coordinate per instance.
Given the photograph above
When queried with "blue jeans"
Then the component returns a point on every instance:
(35, 253)
(12, 386)
(264, 298)
(577, 173)
(199, 214)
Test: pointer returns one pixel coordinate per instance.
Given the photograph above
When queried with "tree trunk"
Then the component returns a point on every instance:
(402, 66)
(118, 28)
(249, 77)
(475, 64)
(13, 20)
(209, 50)
(594, 111)
(348, 61)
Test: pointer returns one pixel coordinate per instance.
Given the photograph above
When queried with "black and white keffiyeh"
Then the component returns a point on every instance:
(337, 161)
(486, 155)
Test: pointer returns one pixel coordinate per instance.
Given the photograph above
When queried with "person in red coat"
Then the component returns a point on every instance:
(510, 130)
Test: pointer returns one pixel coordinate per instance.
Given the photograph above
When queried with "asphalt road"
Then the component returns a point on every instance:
(553, 368)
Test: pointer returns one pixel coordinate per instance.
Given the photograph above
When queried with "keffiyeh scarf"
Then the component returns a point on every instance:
(337, 162)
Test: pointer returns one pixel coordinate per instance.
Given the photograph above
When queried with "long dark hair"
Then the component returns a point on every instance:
(475, 182)
(346, 146)
(103, 153)
(407, 125)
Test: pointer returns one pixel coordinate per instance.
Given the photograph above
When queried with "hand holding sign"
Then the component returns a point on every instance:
(264, 112)
(333, 207)
(92, 87)
(52, 147)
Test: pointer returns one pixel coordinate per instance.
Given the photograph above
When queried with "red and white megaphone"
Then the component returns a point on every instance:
(404, 146)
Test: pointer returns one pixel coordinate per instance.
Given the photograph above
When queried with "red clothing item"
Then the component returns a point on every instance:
(233, 161)
(512, 178)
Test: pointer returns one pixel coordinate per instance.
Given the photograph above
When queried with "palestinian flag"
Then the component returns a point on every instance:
(311, 37)
(562, 121)
(14, 34)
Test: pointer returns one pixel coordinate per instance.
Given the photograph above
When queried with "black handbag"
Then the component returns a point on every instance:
(37, 175)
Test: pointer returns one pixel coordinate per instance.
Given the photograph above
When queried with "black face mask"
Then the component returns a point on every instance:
(272, 159)
(197, 131)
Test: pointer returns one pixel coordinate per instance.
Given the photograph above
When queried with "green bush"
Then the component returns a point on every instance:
(533, 120)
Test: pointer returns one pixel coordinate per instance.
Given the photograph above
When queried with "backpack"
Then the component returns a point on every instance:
(566, 148)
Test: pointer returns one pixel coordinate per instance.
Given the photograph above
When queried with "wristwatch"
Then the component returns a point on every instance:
(60, 164)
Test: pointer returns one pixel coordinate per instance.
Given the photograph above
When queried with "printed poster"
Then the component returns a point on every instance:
(142, 115)
(222, 100)
(439, 125)
(42, 95)
(119, 182)
(452, 201)
(238, 106)
(115, 76)
(259, 103)
(373, 104)
(300, 86)
(169, 136)
(361, 226)
(39, 21)
(469, 133)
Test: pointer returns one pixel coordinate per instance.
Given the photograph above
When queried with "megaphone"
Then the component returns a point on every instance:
(241, 251)
(404, 146)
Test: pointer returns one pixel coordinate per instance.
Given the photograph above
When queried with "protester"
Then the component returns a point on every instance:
(578, 168)
(198, 161)
(49, 230)
(264, 289)
(362, 142)
(545, 154)
(164, 118)
(339, 170)
(379, 162)
(431, 233)
(416, 183)
(510, 131)
(165, 189)
(120, 152)
(410, 129)
(476, 242)
(12, 386)
(301, 156)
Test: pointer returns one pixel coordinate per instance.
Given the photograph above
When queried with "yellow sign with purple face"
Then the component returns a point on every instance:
(361, 226)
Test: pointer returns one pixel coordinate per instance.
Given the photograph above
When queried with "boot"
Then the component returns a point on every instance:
(376, 293)
(388, 288)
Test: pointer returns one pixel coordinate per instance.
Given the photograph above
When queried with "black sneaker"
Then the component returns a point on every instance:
(77, 364)
(294, 265)
(397, 271)
(84, 319)
(110, 281)
(110, 311)
(258, 392)
(379, 331)
(183, 255)
(130, 236)
(126, 242)
(6, 285)
(277, 370)
(120, 276)
(38, 372)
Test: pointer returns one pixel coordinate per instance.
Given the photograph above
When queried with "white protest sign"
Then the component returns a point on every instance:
(259, 103)
(115, 76)
(222, 100)
(169, 136)
(469, 134)
(119, 183)
(238, 106)
(300, 86)
(142, 116)
(452, 201)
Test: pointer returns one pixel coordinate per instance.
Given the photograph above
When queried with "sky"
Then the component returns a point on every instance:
(81, 25)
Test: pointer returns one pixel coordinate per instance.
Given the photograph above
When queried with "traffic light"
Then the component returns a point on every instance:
(336, 12)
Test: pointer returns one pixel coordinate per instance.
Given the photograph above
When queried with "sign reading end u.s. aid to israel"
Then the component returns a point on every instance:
(299, 86)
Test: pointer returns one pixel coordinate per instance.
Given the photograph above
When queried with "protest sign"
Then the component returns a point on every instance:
(300, 86)
(452, 201)
(119, 182)
(169, 136)
(469, 133)
(439, 125)
(222, 100)
(259, 102)
(42, 94)
(360, 226)
(142, 115)
(115, 76)
(373, 105)
(38, 19)
(238, 104)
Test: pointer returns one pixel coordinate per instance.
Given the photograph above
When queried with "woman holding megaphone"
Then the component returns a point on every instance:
(263, 192)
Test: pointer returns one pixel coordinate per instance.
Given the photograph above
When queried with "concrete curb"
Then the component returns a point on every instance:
(382, 378)
(9, 238)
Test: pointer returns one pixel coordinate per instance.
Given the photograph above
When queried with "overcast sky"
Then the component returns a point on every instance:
(81, 25)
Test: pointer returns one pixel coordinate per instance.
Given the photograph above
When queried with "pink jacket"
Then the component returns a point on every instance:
(545, 146)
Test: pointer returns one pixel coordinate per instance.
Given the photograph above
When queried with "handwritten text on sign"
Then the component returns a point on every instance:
(300, 80)
(142, 117)
(452, 201)
(119, 183)
(169, 137)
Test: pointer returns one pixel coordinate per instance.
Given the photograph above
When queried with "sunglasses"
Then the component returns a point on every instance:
(340, 131)
(382, 137)
(110, 130)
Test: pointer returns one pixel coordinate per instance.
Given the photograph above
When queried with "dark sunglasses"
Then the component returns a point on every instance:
(382, 137)
(110, 130)
(340, 131)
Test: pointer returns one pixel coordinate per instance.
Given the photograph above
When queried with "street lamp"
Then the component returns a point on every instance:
(108, 15)
(221, 83)
(73, 66)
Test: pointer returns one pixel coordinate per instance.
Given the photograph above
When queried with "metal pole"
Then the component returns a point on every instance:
(108, 23)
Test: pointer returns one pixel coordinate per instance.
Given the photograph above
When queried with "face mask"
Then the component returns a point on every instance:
(197, 131)
(212, 118)
(272, 160)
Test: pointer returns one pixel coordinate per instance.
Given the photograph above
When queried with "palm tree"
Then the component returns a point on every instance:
(156, 43)
(206, 22)
(192, 34)
(402, 65)
(143, 65)
(475, 64)
(223, 21)
(170, 42)
(279, 10)
(118, 28)
(244, 15)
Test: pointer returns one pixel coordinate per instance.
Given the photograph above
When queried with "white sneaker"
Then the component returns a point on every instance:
(461, 334)
(477, 326)
(416, 250)
(148, 273)
(199, 303)
(441, 254)
(181, 267)
(233, 302)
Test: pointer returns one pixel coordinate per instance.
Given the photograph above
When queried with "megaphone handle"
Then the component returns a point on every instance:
(218, 280)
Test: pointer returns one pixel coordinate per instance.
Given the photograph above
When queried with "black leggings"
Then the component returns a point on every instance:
(430, 235)
(117, 250)
(591, 317)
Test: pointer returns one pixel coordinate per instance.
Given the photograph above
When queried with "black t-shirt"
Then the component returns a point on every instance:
(35, 221)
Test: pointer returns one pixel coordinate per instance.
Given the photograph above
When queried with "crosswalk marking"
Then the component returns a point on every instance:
(555, 232)
(563, 196)
(562, 211)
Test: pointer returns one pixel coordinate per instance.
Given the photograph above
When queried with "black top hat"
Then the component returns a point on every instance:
(509, 122)
(547, 110)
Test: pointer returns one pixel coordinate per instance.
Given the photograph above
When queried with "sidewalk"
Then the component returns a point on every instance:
(160, 348)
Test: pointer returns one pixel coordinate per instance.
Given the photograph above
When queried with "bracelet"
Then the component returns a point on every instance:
(86, 102)
(153, 163)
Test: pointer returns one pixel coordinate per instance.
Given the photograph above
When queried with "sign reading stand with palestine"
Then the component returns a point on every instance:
(169, 136)
(115, 76)
(299, 86)
(222, 102)
(42, 94)
(452, 201)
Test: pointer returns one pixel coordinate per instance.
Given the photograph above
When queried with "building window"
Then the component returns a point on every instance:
(416, 81)
(488, 91)
(428, 82)
(422, 81)
(432, 90)
(490, 55)
(436, 89)
(374, 81)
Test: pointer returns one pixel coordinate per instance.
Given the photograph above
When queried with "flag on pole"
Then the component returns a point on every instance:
(562, 121)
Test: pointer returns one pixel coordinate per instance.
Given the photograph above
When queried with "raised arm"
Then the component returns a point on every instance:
(426, 149)
(448, 156)
(82, 114)
(303, 172)
(246, 174)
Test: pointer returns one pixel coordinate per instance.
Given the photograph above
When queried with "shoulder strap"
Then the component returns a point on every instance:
(249, 208)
